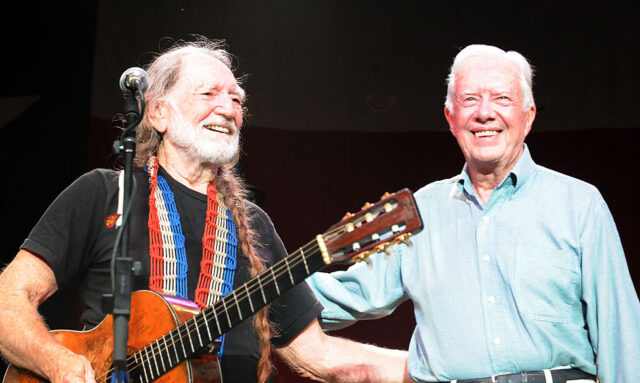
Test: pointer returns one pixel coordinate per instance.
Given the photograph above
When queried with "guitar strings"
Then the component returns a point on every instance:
(282, 266)
(252, 286)
(154, 349)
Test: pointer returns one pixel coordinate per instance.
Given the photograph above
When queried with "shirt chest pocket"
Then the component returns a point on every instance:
(547, 283)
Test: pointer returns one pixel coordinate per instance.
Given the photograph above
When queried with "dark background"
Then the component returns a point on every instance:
(345, 101)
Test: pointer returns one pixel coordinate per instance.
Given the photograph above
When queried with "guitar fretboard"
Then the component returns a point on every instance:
(187, 339)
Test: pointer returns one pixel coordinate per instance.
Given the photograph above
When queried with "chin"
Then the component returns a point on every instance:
(220, 157)
(219, 153)
(482, 158)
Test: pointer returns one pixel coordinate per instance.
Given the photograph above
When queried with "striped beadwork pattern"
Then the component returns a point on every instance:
(219, 245)
(168, 261)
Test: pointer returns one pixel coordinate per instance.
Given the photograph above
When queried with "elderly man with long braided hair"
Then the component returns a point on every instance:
(193, 212)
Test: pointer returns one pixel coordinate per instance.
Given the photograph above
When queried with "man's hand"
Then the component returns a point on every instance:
(70, 368)
(324, 358)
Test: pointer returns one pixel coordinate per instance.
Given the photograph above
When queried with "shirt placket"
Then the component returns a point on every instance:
(491, 285)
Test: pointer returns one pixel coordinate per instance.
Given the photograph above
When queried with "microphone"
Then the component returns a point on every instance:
(134, 79)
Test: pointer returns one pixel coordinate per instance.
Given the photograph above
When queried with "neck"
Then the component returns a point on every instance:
(484, 184)
(184, 169)
(486, 179)
(486, 176)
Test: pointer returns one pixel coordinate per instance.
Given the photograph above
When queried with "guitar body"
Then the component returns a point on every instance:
(151, 317)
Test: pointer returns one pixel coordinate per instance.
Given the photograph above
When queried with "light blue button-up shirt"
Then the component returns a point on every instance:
(535, 278)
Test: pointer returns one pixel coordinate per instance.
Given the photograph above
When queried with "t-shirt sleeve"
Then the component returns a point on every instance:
(294, 309)
(64, 234)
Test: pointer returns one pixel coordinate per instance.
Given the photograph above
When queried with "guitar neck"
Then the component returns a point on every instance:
(193, 335)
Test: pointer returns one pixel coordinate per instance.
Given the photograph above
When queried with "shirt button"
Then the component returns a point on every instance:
(497, 340)
(486, 258)
(491, 299)
(485, 218)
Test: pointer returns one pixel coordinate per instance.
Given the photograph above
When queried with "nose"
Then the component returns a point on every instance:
(485, 112)
(224, 106)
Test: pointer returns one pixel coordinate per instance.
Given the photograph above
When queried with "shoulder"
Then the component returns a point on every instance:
(437, 189)
(563, 197)
(98, 178)
(565, 185)
(96, 182)
(256, 215)
(260, 222)
(438, 186)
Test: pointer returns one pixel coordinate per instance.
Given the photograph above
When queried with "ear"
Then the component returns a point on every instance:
(531, 115)
(158, 115)
(449, 116)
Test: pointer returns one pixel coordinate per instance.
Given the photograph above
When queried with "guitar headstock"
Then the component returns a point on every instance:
(392, 220)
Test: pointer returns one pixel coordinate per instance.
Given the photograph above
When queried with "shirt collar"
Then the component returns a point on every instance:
(524, 169)
(521, 172)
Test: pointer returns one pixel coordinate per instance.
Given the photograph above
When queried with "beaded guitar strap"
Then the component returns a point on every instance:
(168, 261)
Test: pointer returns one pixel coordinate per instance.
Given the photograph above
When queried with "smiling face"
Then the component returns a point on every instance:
(202, 114)
(487, 114)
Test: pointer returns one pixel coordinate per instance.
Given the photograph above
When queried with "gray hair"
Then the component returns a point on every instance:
(163, 72)
(524, 68)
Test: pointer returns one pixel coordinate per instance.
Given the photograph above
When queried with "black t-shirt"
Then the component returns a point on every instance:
(76, 238)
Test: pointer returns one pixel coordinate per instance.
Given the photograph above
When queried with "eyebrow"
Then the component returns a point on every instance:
(236, 91)
(491, 92)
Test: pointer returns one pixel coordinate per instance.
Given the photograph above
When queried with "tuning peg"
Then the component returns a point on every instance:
(367, 205)
(404, 238)
(368, 217)
(360, 257)
(388, 207)
(364, 256)
(347, 216)
(386, 195)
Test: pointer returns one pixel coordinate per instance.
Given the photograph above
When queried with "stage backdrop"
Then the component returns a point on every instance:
(345, 103)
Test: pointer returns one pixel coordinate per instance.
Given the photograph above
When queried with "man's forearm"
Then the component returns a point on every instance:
(318, 356)
(24, 338)
(26, 341)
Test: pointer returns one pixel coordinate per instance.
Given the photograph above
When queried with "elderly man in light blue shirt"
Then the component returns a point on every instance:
(519, 274)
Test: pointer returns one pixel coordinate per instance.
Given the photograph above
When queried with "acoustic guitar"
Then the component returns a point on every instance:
(167, 335)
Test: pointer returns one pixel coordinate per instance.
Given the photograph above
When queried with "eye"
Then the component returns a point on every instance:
(467, 100)
(237, 101)
(504, 100)
(205, 94)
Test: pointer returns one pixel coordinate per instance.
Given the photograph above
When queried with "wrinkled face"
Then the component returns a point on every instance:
(488, 117)
(204, 111)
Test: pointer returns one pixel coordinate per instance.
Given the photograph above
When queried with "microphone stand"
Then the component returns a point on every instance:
(123, 266)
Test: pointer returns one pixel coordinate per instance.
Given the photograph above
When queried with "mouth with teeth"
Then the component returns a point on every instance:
(486, 133)
(217, 128)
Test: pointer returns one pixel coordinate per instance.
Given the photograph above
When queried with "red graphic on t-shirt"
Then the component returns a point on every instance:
(110, 221)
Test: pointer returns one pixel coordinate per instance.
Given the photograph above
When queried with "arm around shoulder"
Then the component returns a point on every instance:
(324, 358)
